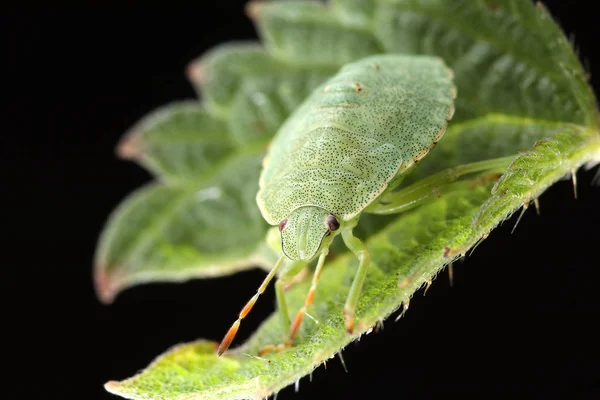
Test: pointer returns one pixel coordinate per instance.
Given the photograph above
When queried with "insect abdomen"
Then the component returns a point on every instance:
(354, 133)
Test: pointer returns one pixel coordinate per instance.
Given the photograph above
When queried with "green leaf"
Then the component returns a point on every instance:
(354, 12)
(521, 93)
(174, 232)
(179, 141)
(187, 226)
(309, 34)
(218, 74)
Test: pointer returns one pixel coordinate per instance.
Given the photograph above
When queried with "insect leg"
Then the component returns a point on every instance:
(439, 184)
(299, 277)
(293, 273)
(234, 328)
(309, 297)
(284, 316)
(362, 253)
(282, 307)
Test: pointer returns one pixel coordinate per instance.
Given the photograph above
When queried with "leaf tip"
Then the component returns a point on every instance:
(105, 284)
(129, 147)
(195, 72)
(111, 385)
(253, 9)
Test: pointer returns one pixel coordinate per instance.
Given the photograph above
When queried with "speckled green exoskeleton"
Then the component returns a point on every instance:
(342, 153)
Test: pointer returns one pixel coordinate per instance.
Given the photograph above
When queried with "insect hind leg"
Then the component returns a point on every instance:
(362, 253)
(439, 184)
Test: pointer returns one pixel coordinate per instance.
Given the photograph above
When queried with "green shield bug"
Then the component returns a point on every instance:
(342, 153)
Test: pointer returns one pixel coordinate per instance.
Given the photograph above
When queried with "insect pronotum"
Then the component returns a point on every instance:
(342, 153)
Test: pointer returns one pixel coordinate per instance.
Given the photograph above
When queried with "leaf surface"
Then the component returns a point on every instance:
(174, 232)
(177, 142)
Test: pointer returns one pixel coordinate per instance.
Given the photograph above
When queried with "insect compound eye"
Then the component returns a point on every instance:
(332, 223)
(282, 224)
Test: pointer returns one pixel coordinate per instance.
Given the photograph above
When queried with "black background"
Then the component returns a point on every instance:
(520, 319)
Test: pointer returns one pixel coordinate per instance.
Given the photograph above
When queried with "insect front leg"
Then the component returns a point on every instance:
(439, 184)
(362, 253)
(230, 335)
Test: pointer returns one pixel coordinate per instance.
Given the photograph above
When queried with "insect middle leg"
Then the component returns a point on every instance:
(439, 184)
(362, 253)
(284, 318)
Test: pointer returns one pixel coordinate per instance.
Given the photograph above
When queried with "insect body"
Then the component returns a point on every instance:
(344, 150)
